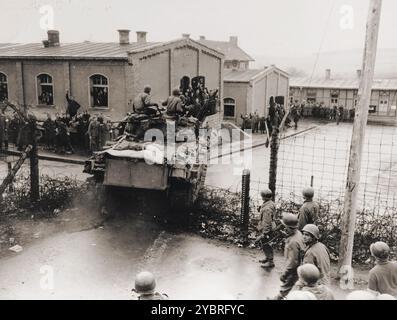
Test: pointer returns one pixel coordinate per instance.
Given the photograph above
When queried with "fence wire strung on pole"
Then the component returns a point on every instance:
(322, 155)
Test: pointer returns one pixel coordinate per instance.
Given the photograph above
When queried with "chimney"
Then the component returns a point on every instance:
(359, 73)
(202, 37)
(124, 36)
(53, 38)
(234, 40)
(328, 74)
(185, 35)
(141, 36)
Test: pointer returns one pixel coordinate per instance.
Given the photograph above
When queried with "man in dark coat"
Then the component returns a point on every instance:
(73, 105)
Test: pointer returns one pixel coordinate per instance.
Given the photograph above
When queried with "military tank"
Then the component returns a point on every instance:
(158, 153)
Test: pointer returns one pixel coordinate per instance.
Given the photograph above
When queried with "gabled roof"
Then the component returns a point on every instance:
(230, 50)
(83, 50)
(249, 74)
(353, 84)
(241, 75)
(90, 50)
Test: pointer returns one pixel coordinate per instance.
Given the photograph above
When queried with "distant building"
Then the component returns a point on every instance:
(343, 92)
(246, 90)
(103, 77)
(235, 57)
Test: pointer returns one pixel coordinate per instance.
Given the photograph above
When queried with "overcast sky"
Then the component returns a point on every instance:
(277, 27)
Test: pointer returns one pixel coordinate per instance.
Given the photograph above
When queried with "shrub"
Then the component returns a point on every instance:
(217, 215)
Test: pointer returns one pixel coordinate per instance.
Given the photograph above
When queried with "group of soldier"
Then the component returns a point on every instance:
(264, 125)
(306, 274)
(307, 270)
(320, 111)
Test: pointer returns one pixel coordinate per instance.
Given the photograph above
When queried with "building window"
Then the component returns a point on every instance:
(334, 97)
(3, 87)
(311, 96)
(229, 105)
(45, 90)
(99, 91)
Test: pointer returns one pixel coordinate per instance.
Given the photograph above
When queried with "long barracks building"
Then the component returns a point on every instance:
(343, 92)
(103, 77)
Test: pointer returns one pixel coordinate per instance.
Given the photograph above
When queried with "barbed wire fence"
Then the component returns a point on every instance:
(322, 157)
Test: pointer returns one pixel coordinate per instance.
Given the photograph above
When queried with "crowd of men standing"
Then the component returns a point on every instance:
(62, 134)
(307, 268)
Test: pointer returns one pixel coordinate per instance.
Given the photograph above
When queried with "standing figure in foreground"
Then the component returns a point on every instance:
(145, 285)
(293, 251)
(383, 277)
(316, 252)
(266, 227)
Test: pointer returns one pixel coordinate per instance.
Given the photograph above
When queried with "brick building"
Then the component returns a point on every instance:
(103, 77)
(246, 90)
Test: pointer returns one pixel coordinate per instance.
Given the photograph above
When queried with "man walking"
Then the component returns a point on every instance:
(316, 253)
(266, 227)
(293, 250)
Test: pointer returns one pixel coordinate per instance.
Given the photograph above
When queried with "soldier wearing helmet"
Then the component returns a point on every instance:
(309, 277)
(309, 212)
(383, 277)
(143, 102)
(174, 104)
(145, 285)
(266, 227)
(316, 252)
(293, 250)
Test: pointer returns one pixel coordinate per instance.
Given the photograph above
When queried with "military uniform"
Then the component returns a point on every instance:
(174, 106)
(142, 104)
(318, 255)
(321, 291)
(308, 213)
(383, 278)
(293, 252)
(266, 226)
(153, 296)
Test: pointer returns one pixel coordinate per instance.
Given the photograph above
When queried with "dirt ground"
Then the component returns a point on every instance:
(96, 257)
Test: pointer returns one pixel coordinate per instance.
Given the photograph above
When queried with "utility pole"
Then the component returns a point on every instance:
(358, 136)
(34, 164)
(274, 146)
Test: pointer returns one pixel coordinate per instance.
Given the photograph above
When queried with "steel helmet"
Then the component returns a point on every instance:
(267, 193)
(308, 192)
(176, 92)
(312, 229)
(301, 295)
(380, 250)
(290, 220)
(147, 88)
(386, 297)
(145, 283)
(309, 273)
(360, 295)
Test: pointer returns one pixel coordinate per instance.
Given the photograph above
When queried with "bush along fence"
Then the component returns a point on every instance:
(217, 215)
(54, 193)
